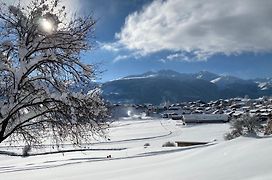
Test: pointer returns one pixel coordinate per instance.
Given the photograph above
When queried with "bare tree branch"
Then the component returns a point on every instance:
(38, 68)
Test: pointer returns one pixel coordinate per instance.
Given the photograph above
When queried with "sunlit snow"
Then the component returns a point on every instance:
(243, 158)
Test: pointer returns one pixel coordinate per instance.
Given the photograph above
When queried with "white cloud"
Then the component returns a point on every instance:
(178, 56)
(109, 47)
(202, 28)
(120, 57)
(127, 55)
(113, 47)
(119, 51)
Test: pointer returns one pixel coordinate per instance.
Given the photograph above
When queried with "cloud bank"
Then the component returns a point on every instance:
(202, 28)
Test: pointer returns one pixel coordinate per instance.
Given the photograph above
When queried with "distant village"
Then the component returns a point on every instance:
(219, 111)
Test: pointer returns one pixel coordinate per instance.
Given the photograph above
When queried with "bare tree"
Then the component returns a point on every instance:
(40, 54)
(268, 128)
(245, 125)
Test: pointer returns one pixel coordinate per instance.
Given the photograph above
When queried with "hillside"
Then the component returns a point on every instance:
(167, 85)
(241, 159)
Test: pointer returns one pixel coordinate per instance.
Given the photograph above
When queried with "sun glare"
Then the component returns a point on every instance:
(47, 25)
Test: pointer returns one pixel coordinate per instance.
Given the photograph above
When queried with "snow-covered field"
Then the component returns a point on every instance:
(241, 159)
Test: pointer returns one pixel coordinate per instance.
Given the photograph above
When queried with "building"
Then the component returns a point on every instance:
(205, 118)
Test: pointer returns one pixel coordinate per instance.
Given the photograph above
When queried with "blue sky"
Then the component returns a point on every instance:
(225, 37)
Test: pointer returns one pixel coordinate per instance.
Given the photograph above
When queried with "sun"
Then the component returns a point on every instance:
(47, 25)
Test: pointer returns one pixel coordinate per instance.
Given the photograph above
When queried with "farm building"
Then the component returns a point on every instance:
(205, 118)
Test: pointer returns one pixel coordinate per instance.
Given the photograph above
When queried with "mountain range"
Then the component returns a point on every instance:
(167, 85)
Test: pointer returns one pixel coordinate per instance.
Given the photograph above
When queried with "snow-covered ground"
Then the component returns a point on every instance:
(241, 159)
